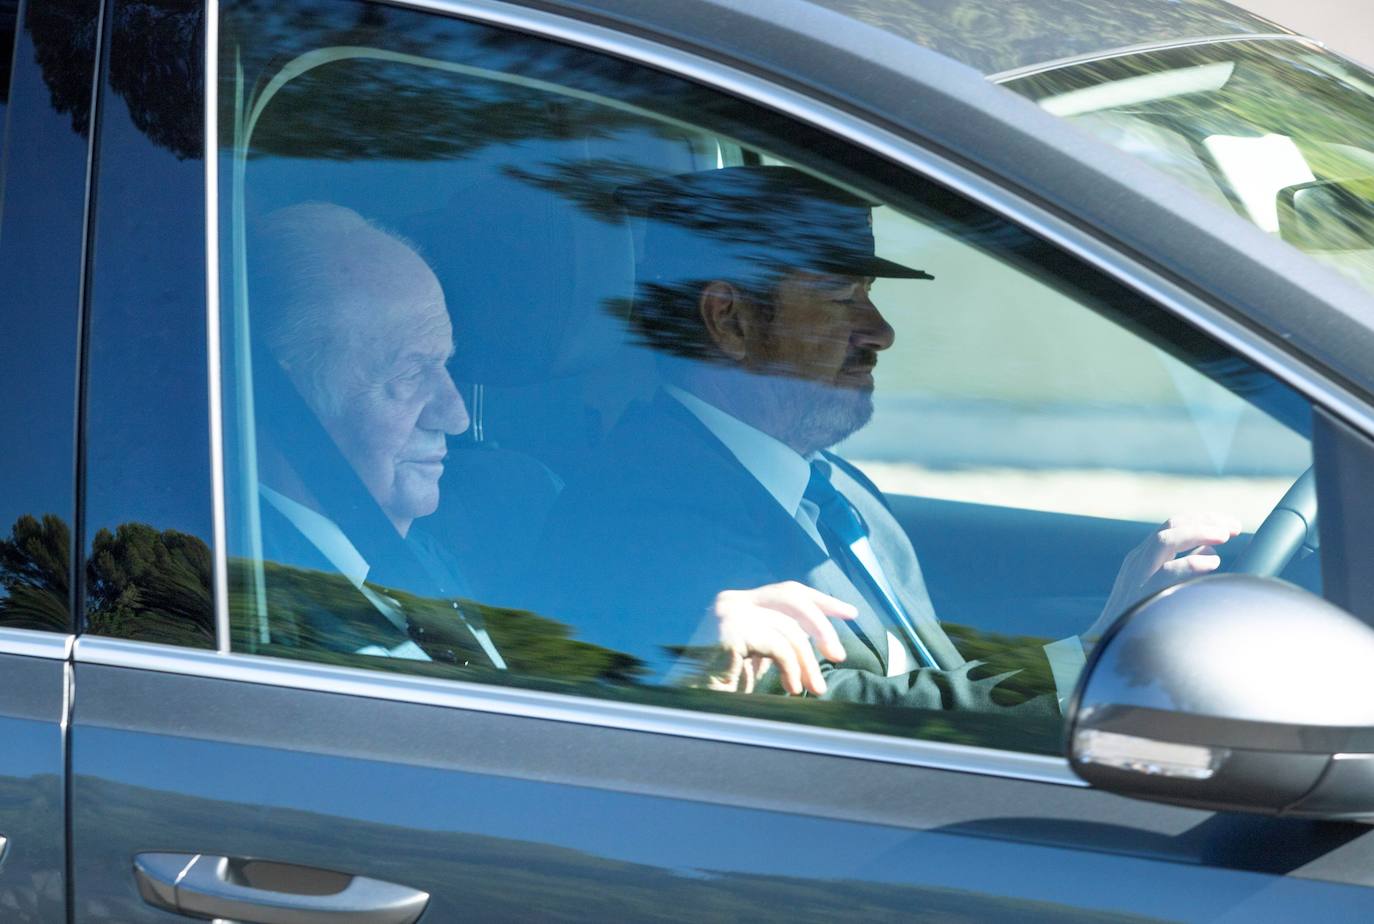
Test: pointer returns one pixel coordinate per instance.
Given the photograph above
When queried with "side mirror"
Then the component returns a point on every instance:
(1231, 692)
(1326, 215)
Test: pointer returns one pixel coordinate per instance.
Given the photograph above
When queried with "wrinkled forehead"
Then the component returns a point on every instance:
(382, 286)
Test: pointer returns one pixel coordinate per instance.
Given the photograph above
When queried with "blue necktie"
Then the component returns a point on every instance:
(838, 520)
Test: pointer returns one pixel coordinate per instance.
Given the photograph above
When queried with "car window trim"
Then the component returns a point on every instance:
(855, 130)
(1125, 51)
(561, 707)
(36, 643)
(219, 563)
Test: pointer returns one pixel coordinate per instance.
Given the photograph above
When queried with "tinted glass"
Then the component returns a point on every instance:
(41, 230)
(147, 432)
(9, 17)
(1280, 131)
(546, 369)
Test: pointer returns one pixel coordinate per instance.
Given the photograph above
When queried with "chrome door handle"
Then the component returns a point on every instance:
(264, 892)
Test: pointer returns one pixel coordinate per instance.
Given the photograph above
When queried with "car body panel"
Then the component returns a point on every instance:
(33, 702)
(528, 818)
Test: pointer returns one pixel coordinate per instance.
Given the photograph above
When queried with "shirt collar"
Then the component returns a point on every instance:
(323, 533)
(776, 466)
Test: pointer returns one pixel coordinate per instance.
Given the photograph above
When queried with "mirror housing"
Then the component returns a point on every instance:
(1231, 692)
(1328, 215)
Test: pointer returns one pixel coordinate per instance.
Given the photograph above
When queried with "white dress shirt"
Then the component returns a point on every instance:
(784, 473)
(325, 535)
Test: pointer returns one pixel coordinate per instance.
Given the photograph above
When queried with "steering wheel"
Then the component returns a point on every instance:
(1289, 527)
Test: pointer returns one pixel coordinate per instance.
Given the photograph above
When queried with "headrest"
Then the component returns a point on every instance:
(538, 277)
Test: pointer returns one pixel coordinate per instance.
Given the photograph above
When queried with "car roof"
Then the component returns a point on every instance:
(902, 87)
(996, 37)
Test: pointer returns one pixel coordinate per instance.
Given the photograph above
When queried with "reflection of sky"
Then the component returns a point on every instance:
(147, 407)
(39, 273)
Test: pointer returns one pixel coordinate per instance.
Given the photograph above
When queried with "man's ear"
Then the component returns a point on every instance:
(728, 317)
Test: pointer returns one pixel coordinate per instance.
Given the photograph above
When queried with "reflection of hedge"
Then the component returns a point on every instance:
(529, 643)
(33, 574)
(543, 655)
(1023, 654)
(150, 585)
(141, 583)
(154, 585)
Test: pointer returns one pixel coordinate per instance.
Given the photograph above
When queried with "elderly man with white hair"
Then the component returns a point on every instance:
(355, 320)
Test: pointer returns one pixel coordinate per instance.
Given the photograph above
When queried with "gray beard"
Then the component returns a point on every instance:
(810, 416)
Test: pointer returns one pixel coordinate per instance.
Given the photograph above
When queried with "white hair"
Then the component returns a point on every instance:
(301, 260)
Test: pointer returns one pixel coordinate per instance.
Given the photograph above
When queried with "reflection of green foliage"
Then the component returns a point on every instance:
(543, 647)
(155, 585)
(543, 655)
(140, 583)
(33, 574)
(362, 107)
(529, 643)
(1021, 656)
(149, 585)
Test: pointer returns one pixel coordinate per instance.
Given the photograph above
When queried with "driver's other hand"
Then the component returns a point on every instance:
(1183, 547)
(774, 624)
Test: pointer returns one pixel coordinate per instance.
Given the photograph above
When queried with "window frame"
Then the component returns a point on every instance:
(996, 195)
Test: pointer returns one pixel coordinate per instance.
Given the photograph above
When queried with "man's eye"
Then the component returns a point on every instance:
(405, 383)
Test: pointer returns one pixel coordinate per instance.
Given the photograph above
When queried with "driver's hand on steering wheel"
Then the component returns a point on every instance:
(774, 625)
(1183, 547)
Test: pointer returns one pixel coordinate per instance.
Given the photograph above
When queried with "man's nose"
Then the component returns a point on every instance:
(445, 409)
(872, 330)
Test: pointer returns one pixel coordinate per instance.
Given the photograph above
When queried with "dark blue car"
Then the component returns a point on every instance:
(711, 460)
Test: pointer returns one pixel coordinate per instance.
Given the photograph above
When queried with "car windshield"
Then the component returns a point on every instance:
(1281, 131)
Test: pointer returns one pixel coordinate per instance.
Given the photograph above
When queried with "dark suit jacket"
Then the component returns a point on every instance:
(634, 554)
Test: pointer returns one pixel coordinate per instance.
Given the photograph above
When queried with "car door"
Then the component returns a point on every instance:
(44, 104)
(231, 756)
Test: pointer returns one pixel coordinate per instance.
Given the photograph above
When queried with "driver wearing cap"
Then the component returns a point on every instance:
(716, 531)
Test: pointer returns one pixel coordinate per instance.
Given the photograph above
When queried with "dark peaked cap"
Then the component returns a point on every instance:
(735, 221)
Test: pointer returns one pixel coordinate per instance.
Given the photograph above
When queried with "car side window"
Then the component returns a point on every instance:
(47, 82)
(147, 507)
(546, 369)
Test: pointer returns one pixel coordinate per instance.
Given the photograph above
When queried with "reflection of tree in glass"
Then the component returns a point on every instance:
(140, 583)
(155, 64)
(149, 585)
(156, 68)
(359, 107)
(33, 574)
(529, 643)
(9, 11)
(589, 185)
(63, 35)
